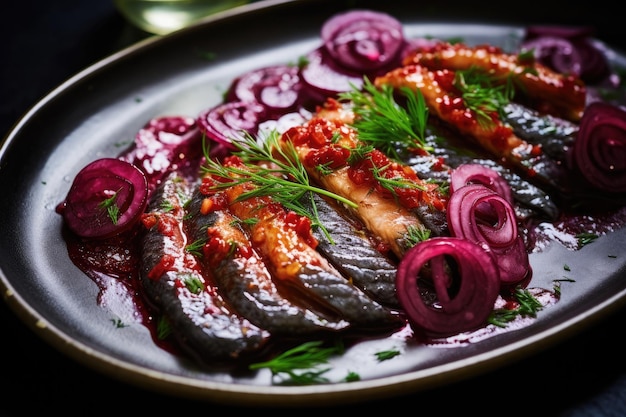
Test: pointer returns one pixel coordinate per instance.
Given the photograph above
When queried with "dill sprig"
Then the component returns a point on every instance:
(193, 283)
(528, 307)
(195, 247)
(110, 205)
(301, 364)
(416, 234)
(274, 172)
(385, 124)
(391, 184)
(482, 93)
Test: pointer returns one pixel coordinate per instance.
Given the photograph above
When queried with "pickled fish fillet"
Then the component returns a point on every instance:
(563, 95)
(355, 254)
(284, 240)
(173, 281)
(243, 278)
(382, 214)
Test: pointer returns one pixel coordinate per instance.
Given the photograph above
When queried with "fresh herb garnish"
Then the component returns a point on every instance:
(193, 283)
(383, 123)
(586, 238)
(416, 234)
(391, 184)
(301, 364)
(482, 93)
(275, 172)
(352, 377)
(118, 323)
(195, 247)
(386, 355)
(111, 207)
(164, 329)
(528, 307)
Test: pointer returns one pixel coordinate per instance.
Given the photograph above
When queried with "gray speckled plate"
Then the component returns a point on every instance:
(90, 114)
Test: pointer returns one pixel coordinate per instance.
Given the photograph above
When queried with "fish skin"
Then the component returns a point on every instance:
(354, 254)
(202, 321)
(292, 260)
(564, 95)
(496, 138)
(246, 283)
(450, 151)
(383, 217)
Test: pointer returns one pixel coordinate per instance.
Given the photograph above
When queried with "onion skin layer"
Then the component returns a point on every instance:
(478, 286)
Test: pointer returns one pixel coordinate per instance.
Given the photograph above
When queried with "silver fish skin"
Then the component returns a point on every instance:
(246, 283)
(532, 201)
(299, 266)
(349, 249)
(173, 282)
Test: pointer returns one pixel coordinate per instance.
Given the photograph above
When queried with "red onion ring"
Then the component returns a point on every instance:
(568, 50)
(325, 78)
(466, 174)
(164, 144)
(484, 217)
(277, 87)
(231, 121)
(599, 151)
(464, 300)
(363, 40)
(104, 179)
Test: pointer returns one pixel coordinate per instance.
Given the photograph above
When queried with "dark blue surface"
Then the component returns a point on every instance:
(43, 44)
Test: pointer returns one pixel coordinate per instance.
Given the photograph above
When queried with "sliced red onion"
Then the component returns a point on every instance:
(599, 151)
(484, 217)
(557, 53)
(363, 40)
(568, 50)
(277, 87)
(231, 121)
(325, 78)
(164, 144)
(104, 184)
(466, 174)
(465, 280)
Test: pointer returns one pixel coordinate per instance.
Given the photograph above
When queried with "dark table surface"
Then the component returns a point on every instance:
(45, 42)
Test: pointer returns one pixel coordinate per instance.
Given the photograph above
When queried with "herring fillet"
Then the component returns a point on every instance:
(198, 316)
(354, 254)
(244, 280)
(299, 266)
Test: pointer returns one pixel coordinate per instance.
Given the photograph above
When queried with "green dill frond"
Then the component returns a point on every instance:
(482, 93)
(195, 247)
(385, 124)
(193, 283)
(528, 307)
(301, 365)
(416, 234)
(275, 172)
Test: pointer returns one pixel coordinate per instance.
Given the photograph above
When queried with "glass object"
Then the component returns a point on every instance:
(161, 17)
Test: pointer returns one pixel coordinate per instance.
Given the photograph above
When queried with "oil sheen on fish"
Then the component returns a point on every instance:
(450, 151)
(355, 254)
(241, 275)
(325, 139)
(563, 95)
(493, 136)
(173, 282)
(285, 241)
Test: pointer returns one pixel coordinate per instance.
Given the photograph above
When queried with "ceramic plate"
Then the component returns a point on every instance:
(88, 116)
